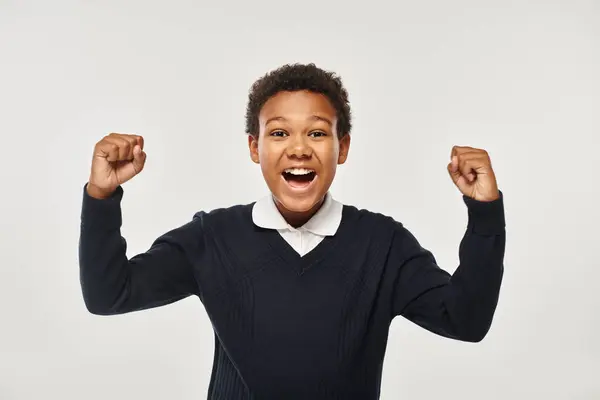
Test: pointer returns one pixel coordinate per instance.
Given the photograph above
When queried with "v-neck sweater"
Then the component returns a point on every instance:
(297, 327)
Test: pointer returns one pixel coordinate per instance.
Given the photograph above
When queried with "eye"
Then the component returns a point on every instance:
(278, 133)
(317, 134)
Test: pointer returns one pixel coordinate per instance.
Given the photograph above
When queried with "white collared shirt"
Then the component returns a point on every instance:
(324, 223)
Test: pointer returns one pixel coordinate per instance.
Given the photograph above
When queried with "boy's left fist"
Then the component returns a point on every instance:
(472, 173)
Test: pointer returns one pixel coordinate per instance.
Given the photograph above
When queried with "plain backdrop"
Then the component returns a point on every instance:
(519, 79)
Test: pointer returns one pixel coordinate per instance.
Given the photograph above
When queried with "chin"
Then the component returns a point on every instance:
(298, 205)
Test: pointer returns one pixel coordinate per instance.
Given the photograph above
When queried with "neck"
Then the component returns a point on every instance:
(296, 218)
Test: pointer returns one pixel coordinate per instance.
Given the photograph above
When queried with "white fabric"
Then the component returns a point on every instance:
(325, 222)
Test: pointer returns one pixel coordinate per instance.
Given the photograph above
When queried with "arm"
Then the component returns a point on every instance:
(112, 284)
(462, 305)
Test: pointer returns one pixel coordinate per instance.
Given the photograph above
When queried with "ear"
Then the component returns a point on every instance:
(344, 149)
(253, 146)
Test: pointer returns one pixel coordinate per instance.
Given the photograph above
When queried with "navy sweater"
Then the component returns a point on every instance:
(292, 327)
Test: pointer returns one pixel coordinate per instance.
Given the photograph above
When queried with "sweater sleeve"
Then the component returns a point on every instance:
(113, 284)
(462, 305)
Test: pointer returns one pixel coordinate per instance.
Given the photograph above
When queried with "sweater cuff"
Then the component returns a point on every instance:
(486, 217)
(102, 212)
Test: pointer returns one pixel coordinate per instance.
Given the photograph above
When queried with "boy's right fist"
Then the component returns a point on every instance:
(117, 158)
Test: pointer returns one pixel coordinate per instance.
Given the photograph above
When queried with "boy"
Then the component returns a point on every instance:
(300, 289)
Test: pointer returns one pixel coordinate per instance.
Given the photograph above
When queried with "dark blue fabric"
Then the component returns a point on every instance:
(292, 327)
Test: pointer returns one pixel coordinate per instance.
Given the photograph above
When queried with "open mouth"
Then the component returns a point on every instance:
(299, 178)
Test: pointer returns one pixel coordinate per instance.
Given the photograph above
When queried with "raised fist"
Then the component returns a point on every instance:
(117, 158)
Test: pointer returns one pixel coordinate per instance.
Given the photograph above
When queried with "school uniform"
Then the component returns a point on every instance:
(297, 313)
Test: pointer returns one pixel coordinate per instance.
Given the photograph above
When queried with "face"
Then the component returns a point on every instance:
(298, 149)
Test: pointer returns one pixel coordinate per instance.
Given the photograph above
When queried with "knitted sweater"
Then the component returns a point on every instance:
(297, 327)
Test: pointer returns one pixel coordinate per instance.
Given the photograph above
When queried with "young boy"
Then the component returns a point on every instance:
(300, 289)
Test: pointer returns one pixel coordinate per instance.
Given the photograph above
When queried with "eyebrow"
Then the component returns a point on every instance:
(313, 117)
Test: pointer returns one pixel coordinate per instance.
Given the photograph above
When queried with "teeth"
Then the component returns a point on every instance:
(298, 171)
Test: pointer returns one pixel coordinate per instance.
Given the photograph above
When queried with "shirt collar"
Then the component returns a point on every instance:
(325, 222)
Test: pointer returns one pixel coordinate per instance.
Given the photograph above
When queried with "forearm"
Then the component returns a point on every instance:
(474, 289)
(473, 293)
(103, 264)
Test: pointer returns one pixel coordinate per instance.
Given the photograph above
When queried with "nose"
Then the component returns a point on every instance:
(299, 147)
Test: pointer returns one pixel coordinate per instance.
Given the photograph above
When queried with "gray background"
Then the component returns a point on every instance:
(519, 79)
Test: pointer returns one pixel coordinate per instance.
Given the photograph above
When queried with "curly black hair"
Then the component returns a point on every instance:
(294, 77)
